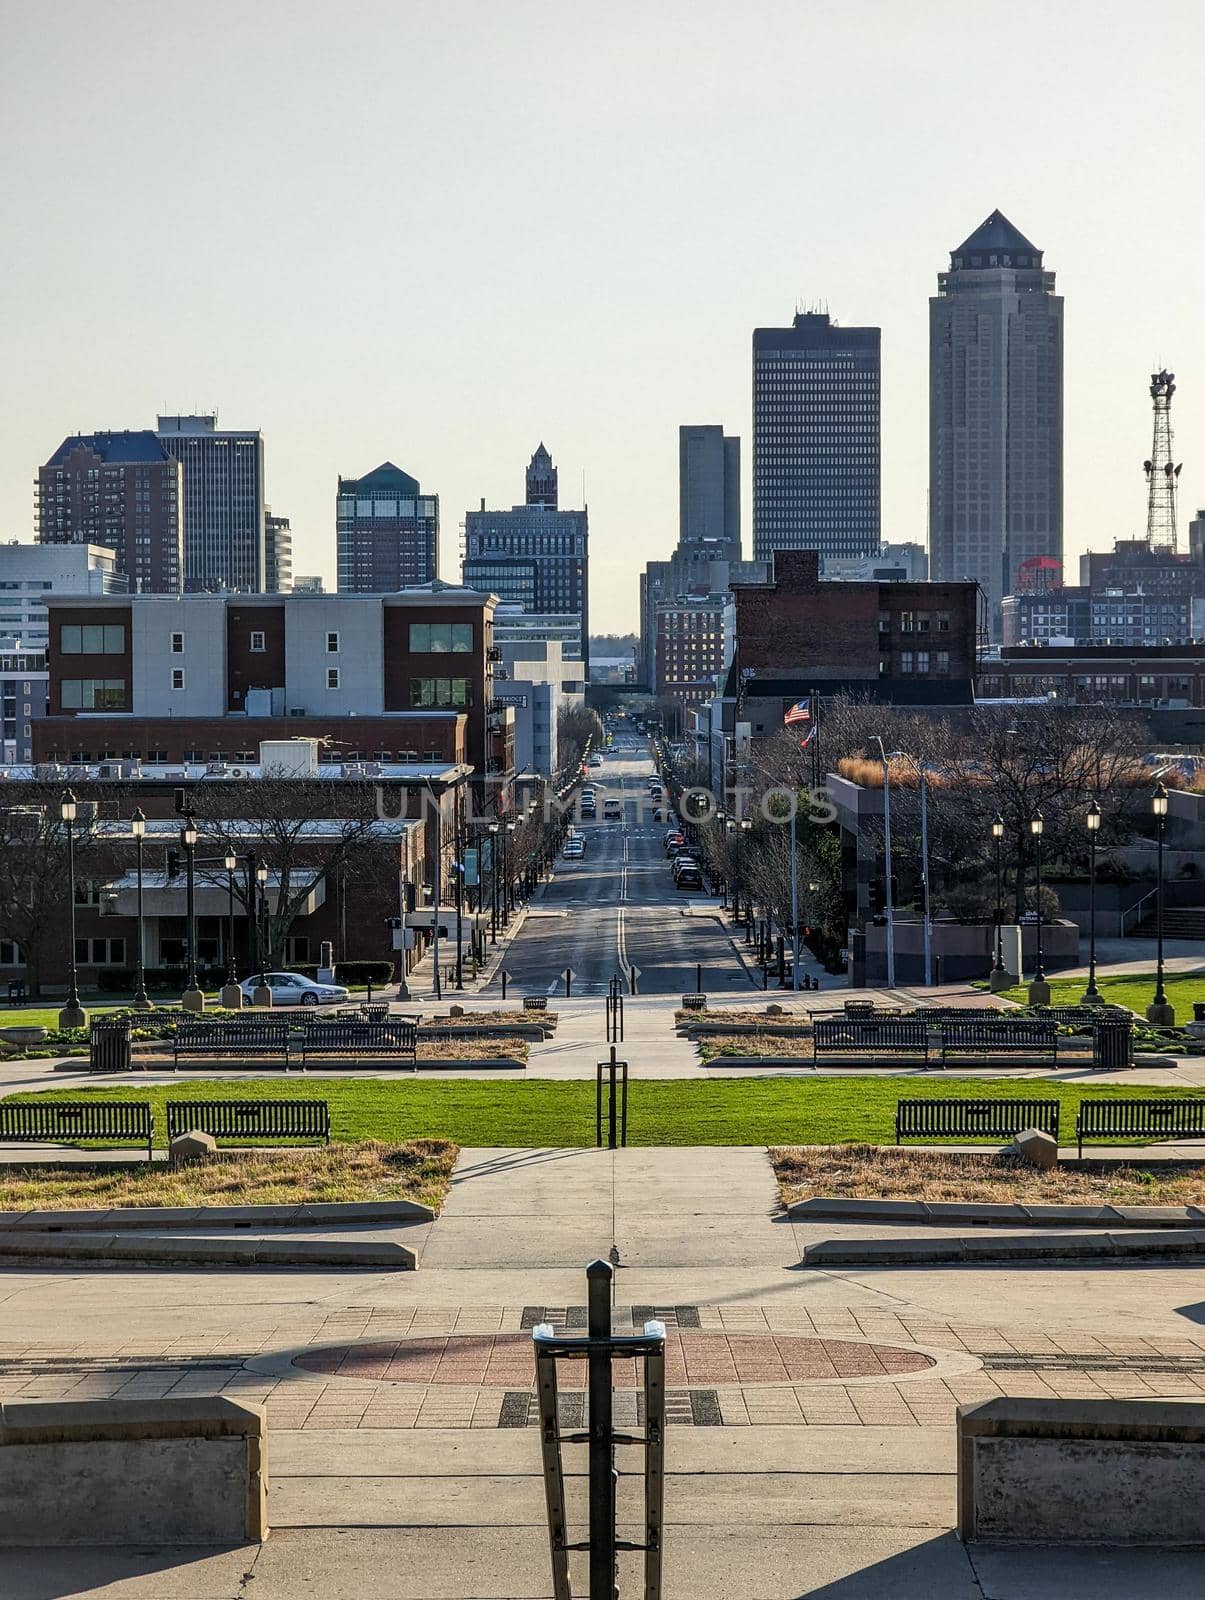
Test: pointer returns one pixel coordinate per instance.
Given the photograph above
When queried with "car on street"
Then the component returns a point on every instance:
(596, 760)
(689, 876)
(612, 806)
(674, 843)
(295, 989)
(574, 850)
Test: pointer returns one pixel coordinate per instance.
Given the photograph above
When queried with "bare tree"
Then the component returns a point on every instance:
(34, 894)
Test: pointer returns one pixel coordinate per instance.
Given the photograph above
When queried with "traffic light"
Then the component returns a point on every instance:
(173, 864)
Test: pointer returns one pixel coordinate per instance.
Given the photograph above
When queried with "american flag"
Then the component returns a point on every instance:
(801, 711)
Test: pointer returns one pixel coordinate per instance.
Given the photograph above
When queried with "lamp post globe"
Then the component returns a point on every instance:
(232, 994)
(999, 977)
(193, 999)
(73, 1014)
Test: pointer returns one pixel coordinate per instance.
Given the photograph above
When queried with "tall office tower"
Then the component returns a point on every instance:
(387, 532)
(995, 413)
(278, 553)
(815, 438)
(534, 554)
(709, 492)
(121, 491)
(223, 503)
(541, 479)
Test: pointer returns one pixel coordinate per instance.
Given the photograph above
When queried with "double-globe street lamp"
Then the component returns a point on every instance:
(1159, 1011)
(998, 973)
(193, 998)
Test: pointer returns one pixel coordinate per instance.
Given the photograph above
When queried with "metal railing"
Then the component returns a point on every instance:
(601, 1348)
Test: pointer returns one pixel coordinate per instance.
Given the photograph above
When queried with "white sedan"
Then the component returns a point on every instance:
(294, 989)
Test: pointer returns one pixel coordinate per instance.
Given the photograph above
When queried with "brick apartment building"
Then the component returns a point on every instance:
(1169, 676)
(691, 640)
(206, 678)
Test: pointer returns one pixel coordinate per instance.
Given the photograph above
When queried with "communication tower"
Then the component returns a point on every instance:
(1161, 471)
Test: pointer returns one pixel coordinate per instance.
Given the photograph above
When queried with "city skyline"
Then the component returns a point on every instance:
(425, 356)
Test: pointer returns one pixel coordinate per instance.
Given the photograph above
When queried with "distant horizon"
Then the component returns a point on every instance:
(578, 253)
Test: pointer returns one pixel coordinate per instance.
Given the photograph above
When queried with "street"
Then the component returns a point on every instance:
(617, 909)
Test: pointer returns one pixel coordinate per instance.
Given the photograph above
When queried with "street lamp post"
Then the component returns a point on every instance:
(746, 827)
(232, 995)
(1092, 823)
(721, 818)
(261, 995)
(73, 1014)
(1039, 989)
(493, 833)
(142, 1001)
(888, 895)
(193, 999)
(1000, 977)
(1159, 1011)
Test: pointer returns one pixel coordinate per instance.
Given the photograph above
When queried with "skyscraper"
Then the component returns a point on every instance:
(223, 503)
(815, 438)
(387, 531)
(709, 491)
(995, 413)
(121, 491)
(278, 553)
(535, 554)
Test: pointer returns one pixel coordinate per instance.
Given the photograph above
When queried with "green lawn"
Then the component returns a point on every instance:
(762, 1111)
(1125, 989)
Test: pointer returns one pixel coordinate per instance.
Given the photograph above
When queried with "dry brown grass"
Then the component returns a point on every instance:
(797, 1046)
(744, 1019)
(480, 1019)
(471, 1049)
(418, 1170)
(873, 1172)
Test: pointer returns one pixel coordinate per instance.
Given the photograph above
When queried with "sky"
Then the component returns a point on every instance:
(437, 233)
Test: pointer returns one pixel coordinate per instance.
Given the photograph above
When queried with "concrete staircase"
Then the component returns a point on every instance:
(1179, 922)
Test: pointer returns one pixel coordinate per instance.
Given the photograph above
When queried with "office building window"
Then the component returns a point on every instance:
(332, 644)
(177, 644)
(332, 677)
(92, 694)
(440, 692)
(109, 640)
(100, 952)
(177, 677)
(441, 638)
(257, 642)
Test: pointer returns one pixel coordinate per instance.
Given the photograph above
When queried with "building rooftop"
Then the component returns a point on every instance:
(114, 449)
(386, 476)
(994, 236)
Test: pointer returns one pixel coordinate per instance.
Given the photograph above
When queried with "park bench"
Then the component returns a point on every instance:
(391, 1036)
(46, 1121)
(694, 1002)
(250, 1121)
(869, 1036)
(1164, 1118)
(974, 1119)
(535, 1002)
(1026, 1036)
(262, 1037)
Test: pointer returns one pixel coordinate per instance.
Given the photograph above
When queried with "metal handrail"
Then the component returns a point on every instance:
(1135, 911)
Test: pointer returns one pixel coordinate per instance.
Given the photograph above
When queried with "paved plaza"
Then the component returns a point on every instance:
(811, 1445)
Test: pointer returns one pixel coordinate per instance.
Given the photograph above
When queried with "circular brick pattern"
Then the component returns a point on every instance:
(505, 1361)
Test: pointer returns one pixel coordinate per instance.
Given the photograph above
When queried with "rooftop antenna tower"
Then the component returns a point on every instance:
(1161, 471)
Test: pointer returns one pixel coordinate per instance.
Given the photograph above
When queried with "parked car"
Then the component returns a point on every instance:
(674, 843)
(295, 989)
(574, 850)
(690, 876)
(681, 863)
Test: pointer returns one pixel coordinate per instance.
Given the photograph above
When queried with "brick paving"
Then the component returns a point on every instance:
(450, 1366)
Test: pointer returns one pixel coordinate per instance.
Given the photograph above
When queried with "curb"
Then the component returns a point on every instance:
(306, 1214)
(160, 1252)
(973, 1252)
(942, 1213)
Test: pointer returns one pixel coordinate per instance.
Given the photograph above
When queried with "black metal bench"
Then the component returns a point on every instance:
(250, 1120)
(1021, 1036)
(45, 1121)
(391, 1036)
(1165, 1118)
(869, 1036)
(263, 1037)
(974, 1119)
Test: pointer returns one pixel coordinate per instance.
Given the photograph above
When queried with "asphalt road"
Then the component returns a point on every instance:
(617, 908)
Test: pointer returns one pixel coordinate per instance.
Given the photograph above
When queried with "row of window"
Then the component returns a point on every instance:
(108, 639)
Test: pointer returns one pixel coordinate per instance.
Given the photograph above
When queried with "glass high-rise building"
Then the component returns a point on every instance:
(815, 438)
(995, 413)
(387, 532)
(223, 503)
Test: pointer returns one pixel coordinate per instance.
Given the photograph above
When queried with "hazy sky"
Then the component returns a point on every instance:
(439, 232)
